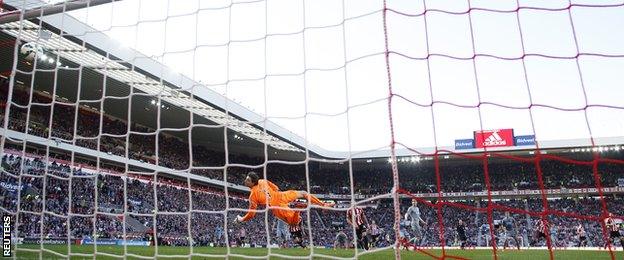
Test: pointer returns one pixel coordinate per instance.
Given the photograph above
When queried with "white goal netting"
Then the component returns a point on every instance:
(129, 127)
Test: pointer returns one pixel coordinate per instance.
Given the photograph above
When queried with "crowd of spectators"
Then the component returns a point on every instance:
(174, 222)
(563, 232)
(58, 200)
(139, 142)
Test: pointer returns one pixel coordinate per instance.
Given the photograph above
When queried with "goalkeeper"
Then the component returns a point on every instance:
(264, 192)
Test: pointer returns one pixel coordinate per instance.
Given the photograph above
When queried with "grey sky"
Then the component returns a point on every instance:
(291, 76)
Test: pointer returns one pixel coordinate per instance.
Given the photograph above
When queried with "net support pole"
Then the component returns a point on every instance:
(51, 9)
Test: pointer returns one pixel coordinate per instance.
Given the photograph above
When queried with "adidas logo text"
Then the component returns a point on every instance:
(494, 140)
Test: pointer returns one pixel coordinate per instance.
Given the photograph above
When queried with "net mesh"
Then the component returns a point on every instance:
(546, 211)
(95, 151)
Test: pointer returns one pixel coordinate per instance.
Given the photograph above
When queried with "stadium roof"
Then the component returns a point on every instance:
(110, 57)
(169, 86)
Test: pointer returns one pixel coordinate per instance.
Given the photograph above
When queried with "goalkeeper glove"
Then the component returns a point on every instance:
(238, 219)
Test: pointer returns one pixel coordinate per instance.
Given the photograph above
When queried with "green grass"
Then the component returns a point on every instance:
(219, 253)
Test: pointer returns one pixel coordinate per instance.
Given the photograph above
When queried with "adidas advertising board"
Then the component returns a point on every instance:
(494, 138)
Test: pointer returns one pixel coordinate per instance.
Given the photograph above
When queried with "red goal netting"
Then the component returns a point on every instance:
(576, 57)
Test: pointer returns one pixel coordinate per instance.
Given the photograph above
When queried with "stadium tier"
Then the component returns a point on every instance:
(208, 203)
(345, 129)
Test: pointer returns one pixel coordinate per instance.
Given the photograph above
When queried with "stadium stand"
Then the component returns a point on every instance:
(172, 229)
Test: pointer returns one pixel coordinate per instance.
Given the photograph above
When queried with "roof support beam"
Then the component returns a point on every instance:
(46, 10)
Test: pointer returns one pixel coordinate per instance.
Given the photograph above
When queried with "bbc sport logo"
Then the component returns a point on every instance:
(6, 236)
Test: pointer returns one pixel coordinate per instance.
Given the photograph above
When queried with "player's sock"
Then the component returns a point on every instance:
(301, 244)
(365, 242)
(298, 238)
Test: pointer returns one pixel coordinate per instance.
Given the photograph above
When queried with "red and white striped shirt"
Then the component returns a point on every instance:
(541, 226)
(611, 225)
(359, 216)
(374, 229)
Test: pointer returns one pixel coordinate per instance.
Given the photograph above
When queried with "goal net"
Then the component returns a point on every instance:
(129, 127)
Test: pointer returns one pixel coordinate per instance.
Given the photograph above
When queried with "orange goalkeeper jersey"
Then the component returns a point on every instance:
(265, 190)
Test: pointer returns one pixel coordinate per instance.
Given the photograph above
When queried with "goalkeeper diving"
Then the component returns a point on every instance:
(264, 192)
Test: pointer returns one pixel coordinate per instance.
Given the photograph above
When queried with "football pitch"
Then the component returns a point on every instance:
(241, 253)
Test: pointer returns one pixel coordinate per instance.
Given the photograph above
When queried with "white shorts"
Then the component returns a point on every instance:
(417, 229)
(283, 233)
